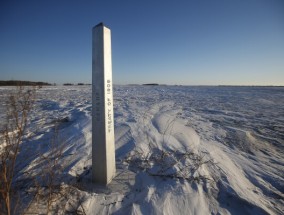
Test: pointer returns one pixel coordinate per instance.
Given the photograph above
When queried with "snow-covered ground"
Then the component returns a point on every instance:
(179, 150)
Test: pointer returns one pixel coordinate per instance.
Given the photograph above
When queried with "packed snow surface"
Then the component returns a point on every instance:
(179, 150)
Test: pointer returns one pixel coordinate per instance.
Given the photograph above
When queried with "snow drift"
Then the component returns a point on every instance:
(179, 150)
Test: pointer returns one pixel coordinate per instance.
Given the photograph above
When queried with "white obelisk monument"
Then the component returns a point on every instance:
(103, 148)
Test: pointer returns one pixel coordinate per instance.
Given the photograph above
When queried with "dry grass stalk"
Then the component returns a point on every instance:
(18, 107)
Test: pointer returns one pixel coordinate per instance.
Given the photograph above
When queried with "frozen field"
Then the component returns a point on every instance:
(179, 150)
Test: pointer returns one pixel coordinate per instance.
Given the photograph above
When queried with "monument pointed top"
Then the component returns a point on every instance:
(101, 24)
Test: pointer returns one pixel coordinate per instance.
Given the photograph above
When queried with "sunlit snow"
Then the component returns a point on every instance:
(240, 130)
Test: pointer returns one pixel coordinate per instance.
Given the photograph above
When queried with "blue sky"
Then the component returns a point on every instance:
(189, 42)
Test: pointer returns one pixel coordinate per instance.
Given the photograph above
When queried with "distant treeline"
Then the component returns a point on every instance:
(71, 84)
(151, 84)
(23, 83)
(253, 86)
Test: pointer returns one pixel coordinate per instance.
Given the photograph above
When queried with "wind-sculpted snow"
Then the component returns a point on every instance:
(179, 150)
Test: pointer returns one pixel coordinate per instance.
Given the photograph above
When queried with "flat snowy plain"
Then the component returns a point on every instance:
(179, 150)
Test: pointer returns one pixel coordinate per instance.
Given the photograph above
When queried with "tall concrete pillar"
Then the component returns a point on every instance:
(103, 148)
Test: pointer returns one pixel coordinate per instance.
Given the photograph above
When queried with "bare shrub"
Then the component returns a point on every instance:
(53, 196)
(46, 192)
(18, 106)
(48, 179)
(167, 163)
(171, 164)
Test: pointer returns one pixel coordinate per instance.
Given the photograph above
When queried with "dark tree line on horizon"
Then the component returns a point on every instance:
(23, 83)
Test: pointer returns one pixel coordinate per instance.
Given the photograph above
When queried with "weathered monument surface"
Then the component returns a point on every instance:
(103, 148)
